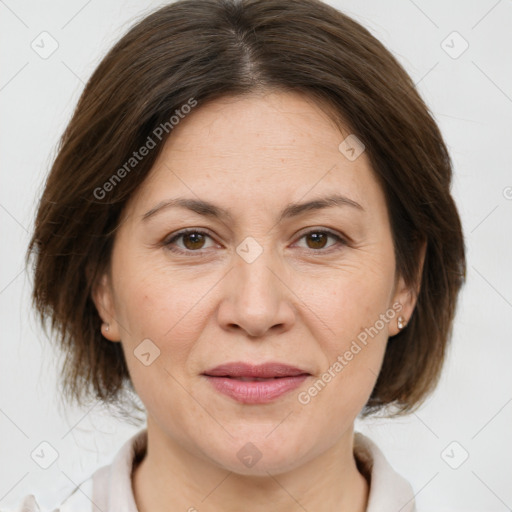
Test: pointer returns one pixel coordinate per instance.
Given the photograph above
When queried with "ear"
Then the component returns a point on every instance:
(407, 295)
(102, 296)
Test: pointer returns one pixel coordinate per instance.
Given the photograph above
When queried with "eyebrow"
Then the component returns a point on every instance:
(211, 210)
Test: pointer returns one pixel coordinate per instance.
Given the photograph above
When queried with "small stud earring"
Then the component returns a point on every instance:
(401, 322)
(107, 327)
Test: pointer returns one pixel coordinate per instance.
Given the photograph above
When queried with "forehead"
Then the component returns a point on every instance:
(262, 148)
(267, 124)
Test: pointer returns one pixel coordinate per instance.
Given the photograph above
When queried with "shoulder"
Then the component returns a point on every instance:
(76, 501)
(107, 489)
(29, 504)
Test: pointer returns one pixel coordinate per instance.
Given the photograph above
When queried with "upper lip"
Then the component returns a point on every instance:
(262, 371)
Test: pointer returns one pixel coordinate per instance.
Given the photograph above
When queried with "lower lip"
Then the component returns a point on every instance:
(256, 392)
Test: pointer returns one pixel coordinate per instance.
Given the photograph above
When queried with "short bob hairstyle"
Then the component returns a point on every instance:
(194, 51)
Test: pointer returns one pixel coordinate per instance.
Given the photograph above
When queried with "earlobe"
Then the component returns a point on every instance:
(104, 302)
(407, 295)
(406, 299)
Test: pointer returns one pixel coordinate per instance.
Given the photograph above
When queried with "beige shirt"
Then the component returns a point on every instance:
(109, 488)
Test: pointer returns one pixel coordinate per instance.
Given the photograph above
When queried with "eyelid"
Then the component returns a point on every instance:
(340, 239)
(319, 229)
(174, 236)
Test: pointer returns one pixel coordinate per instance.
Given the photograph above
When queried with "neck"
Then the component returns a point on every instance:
(171, 478)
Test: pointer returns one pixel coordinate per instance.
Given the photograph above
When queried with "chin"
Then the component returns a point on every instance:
(259, 458)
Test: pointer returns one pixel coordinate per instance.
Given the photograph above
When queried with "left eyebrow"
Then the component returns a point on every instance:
(295, 209)
(208, 209)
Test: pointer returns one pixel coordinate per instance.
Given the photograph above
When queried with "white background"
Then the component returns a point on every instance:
(470, 97)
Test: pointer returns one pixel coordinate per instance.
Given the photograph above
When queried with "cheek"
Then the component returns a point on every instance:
(350, 301)
(345, 383)
(154, 307)
(168, 307)
(355, 305)
(153, 300)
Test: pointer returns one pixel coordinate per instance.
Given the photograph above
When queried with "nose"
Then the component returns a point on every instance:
(256, 297)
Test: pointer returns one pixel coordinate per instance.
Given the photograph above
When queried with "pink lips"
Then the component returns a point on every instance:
(250, 384)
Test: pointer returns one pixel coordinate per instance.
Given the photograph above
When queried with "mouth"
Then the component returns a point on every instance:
(240, 370)
(252, 379)
(255, 384)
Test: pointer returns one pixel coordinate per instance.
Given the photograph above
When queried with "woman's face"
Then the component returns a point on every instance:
(257, 281)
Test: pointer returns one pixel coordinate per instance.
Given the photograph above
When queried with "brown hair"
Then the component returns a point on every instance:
(200, 50)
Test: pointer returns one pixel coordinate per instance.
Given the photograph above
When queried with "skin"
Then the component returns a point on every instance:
(300, 302)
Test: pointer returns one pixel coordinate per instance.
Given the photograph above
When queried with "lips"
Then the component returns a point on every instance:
(255, 384)
(240, 370)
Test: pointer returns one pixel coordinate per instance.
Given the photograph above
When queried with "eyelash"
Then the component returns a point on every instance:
(168, 243)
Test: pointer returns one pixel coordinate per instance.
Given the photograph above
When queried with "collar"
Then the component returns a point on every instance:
(110, 487)
(389, 491)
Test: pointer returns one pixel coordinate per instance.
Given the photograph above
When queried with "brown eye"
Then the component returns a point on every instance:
(316, 240)
(187, 241)
(193, 241)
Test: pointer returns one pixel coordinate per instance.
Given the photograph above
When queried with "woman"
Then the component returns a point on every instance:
(249, 223)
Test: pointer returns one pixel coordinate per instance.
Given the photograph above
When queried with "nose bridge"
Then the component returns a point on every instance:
(256, 287)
